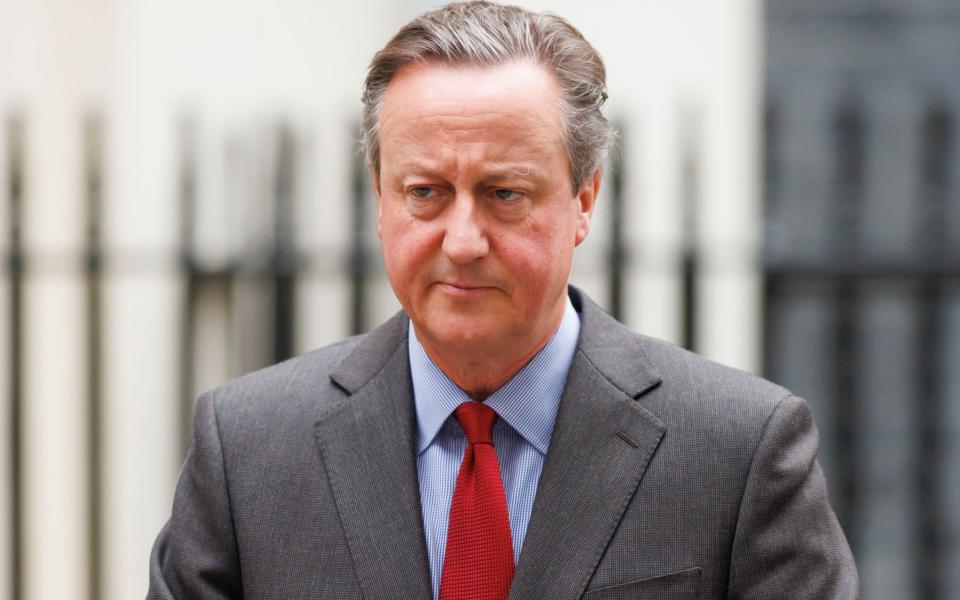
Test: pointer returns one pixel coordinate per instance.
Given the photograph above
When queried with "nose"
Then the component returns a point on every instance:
(464, 239)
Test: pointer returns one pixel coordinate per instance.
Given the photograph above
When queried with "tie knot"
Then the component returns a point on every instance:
(476, 419)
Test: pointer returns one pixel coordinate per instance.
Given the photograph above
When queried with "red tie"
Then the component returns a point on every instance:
(479, 558)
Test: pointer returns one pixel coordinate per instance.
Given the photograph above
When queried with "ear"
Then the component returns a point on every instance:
(586, 200)
(375, 181)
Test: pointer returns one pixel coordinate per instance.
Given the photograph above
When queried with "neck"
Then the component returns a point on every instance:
(480, 376)
(480, 371)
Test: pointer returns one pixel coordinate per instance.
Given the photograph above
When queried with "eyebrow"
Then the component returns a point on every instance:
(494, 172)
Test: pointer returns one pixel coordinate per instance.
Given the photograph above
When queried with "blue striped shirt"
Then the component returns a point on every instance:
(527, 407)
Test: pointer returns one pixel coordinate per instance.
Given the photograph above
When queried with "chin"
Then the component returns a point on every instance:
(466, 333)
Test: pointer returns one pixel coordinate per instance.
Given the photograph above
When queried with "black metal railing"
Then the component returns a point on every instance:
(843, 283)
(16, 150)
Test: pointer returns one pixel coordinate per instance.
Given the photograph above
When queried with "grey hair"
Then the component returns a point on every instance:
(487, 34)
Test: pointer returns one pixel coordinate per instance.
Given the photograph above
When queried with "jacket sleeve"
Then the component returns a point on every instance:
(788, 543)
(195, 555)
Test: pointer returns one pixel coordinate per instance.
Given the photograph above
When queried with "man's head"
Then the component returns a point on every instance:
(487, 34)
(471, 153)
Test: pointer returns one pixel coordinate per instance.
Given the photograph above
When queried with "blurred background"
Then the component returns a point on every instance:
(182, 200)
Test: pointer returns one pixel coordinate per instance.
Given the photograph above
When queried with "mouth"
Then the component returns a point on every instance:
(464, 290)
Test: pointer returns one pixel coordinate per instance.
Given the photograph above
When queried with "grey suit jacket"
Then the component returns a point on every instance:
(667, 477)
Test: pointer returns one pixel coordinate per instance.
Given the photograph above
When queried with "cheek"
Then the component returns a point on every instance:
(406, 248)
(539, 261)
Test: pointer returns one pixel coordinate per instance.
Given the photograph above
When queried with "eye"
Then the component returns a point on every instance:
(422, 191)
(507, 195)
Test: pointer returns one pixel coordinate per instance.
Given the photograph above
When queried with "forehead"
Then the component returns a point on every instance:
(431, 104)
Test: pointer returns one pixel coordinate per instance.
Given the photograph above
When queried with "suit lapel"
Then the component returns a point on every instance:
(368, 448)
(602, 442)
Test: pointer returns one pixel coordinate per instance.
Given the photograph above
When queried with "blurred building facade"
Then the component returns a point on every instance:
(862, 261)
(183, 201)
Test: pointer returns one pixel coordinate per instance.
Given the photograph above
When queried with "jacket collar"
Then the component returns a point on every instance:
(614, 350)
(601, 445)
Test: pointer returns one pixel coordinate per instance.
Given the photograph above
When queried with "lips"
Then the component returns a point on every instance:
(458, 288)
(465, 286)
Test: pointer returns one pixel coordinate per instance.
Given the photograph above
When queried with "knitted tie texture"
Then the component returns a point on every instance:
(478, 564)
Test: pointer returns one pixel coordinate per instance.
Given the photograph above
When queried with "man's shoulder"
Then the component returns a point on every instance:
(678, 377)
(317, 377)
(710, 409)
(310, 365)
(291, 389)
(688, 393)
(693, 381)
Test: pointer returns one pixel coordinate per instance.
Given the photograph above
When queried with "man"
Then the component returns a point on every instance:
(502, 435)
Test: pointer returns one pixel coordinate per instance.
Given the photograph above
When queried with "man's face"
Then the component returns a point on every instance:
(475, 209)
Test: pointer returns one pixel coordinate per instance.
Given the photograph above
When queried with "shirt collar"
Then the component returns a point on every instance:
(528, 402)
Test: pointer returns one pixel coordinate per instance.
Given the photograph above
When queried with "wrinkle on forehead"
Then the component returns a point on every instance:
(450, 162)
(458, 81)
(439, 156)
(463, 121)
(461, 100)
(498, 122)
(447, 135)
